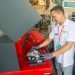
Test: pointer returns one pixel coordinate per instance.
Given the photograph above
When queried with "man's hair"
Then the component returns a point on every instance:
(58, 9)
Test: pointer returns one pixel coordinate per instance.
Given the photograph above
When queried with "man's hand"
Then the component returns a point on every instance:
(47, 56)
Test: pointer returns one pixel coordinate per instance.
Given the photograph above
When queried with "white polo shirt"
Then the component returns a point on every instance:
(68, 34)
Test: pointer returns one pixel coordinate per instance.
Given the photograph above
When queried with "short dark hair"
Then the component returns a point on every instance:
(57, 8)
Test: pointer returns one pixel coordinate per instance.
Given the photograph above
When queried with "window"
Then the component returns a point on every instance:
(73, 16)
(59, 2)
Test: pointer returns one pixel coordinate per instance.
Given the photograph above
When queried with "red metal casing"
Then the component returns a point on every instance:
(23, 45)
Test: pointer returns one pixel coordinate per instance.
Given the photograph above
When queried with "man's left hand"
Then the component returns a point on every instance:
(47, 56)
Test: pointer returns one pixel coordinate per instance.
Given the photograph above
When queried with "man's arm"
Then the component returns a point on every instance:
(45, 43)
(63, 49)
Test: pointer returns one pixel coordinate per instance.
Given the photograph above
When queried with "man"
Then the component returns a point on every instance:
(63, 35)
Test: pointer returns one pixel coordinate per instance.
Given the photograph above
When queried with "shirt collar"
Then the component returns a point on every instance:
(65, 22)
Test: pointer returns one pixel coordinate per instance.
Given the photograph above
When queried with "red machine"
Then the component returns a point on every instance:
(23, 45)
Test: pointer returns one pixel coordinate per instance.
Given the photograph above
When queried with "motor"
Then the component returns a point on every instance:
(34, 57)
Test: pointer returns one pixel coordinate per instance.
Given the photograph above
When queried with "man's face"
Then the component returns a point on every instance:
(57, 16)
